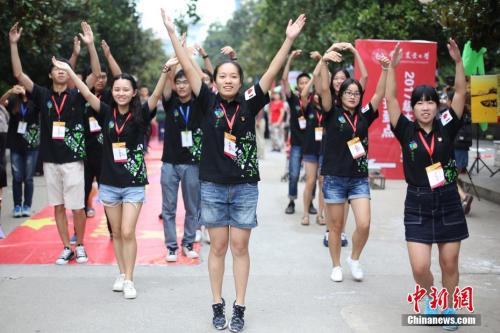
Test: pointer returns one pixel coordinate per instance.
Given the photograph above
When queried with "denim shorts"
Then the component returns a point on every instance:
(313, 158)
(232, 205)
(111, 195)
(461, 158)
(337, 189)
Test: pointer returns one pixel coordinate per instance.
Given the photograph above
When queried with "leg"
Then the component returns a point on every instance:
(294, 171)
(420, 261)
(321, 201)
(17, 163)
(79, 219)
(31, 159)
(335, 217)
(311, 169)
(62, 224)
(448, 260)
(114, 214)
(130, 214)
(190, 185)
(169, 189)
(361, 209)
(219, 240)
(241, 261)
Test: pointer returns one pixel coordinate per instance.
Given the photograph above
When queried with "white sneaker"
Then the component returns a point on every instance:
(129, 291)
(81, 255)
(171, 255)
(355, 267)
(65, 256)
(189, 252)
(336, 274)
(118, 285)
(197, 238)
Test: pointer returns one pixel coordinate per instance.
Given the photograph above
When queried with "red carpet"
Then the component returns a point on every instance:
(36, 241)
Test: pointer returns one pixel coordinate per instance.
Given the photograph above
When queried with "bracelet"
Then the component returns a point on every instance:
(234, 59)
(205, 56)
(166, 71)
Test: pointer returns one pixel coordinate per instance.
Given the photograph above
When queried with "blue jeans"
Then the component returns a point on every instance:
(187, 175)
(294, 171)
(23, 166)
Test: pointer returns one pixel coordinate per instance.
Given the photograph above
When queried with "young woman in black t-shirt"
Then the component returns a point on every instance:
(433, 211)
(229, 166)
(123, 169)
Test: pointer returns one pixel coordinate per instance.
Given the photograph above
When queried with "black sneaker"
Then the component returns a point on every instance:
(219, 321)
(290, 209)
(325, 239)
(237, 322)
(312, 210)
(65, 256)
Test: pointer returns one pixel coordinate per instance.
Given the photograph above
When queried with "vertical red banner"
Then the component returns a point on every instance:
(417, 66)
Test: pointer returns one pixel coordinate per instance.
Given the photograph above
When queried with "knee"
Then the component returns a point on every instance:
(239, 249)
(363, 227)
(449, 265)
(127, 234)
(421, 269)
(218, 249)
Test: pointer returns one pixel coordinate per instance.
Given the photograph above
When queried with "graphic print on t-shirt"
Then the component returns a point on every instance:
(75, 140)
(246, 155)
(195, 149)
(135, 163)
(32, 136)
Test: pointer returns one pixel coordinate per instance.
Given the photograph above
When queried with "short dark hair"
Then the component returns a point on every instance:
(345, 85)
(424, 92)
(179, 74)
(51, 65)
(301, 75)
(238, 66)
(210, 75)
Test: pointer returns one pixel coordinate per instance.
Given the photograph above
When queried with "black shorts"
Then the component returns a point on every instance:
(434, 216)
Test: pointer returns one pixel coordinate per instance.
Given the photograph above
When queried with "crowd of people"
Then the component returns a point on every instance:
(89, 127)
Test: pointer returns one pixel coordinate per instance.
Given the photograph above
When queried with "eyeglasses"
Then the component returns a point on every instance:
(352, 94)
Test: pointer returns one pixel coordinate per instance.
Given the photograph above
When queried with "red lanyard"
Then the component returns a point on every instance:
(118, 129)
(230, 123)
(57, 107)
(355, 125)
(424, 142)
(319, 117)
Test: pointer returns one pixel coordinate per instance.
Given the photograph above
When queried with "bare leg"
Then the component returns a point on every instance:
(130, 214)
(420, 261)
(79, 219)
(335, 219)
(219, 240)
(311, 170)
(448, 260)
(62, 224)
(114, 215)
(241, 261)
(361, 209)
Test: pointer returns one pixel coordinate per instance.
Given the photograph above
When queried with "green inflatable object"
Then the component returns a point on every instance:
(473, 61)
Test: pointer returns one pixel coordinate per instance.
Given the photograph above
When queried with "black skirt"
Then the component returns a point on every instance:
(434, 216)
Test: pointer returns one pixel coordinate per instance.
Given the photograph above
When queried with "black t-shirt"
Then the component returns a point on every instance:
(93, 137)
(297, 134)
(415, 155)
(28, 113)
(133, 171)
(72, 147)
(338, 160)
(315, 118)
(215, 166)
(175, 114)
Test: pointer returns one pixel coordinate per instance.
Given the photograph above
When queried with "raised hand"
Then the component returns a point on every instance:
(167, 21)
(76, 46)
(229, 51)
(200, 49)
(172, 62)
(346, 46)
(315, 55)
(15, 33)
(105, 48)
(294, 29)
(397, 53)
(332, 56)
(295, 53)
(384, 62)
(18, 90)
(61, 64)
(454, 50)
(87, 37)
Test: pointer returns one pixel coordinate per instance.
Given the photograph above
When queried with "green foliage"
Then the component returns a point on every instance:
(49, 28)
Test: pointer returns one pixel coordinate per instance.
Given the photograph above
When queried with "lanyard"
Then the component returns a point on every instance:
(59, 108)
(319, 117)
(118, 129)
(353, 125)
(430, 150)
(230, 123)
(185, 115)
(24, 109)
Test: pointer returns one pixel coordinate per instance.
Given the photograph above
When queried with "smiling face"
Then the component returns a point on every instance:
(302, 82)
(351, 97)
(123, 92)
(425, 111)
(101, 82)
(337, 80)
(228, 80)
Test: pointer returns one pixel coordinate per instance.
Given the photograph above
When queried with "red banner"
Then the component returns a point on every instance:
(417, 66)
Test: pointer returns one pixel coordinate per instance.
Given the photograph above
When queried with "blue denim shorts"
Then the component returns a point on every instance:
(232, 205)
(339, 189)
(461, 158)
(111, 195)
(313, 158)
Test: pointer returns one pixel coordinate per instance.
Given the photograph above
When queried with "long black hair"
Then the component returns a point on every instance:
(335, 96)
(343, 88)
(135, 102)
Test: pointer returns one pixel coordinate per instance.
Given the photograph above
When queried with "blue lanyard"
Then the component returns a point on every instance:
(185, 115)
(24, 110)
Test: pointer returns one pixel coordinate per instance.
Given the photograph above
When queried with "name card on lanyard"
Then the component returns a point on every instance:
(119, 148)
(318, 131)
(23, 125)
(229, 138)
(355, 146)
(302, 120)
(58, 127)
(435, 172)
(186, 135)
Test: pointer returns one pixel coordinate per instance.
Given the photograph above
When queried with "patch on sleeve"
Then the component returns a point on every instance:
(365, 108)
(250, 93)
(446, 117)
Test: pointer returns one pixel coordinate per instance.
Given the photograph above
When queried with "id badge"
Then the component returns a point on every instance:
(58, 130)
(318, 133)
(120, 152)
(302, 123)
(21, 128)
(229, 145)
(356, 148)
(187, 138)
(435, 174)
(94, 125)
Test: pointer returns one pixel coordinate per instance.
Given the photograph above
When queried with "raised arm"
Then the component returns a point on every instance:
(94, 102)
(230, 52)
(17, 68)
(206, 60)
(380, 89)
(88, 38)
(316, 56)
(292, 31)
(14, 90)
(112, 64)
(304, 94)
(182, 56)
(326, 94)
(167, 88)
(458, 102)
(390, 89)
(286, 86)
(362, 68)
(76, 52)
(156, 95)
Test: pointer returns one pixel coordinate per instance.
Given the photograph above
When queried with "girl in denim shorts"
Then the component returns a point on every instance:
(123, 169)
(433, 211)
(229, 167)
